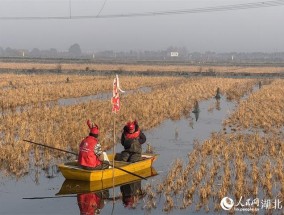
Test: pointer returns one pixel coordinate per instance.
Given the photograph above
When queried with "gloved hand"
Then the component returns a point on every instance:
(98, 149)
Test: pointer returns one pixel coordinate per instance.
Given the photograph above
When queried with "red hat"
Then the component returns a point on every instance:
(130, 126)
(94, 129)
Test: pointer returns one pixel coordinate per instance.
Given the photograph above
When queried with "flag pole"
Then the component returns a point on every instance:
(115, 109)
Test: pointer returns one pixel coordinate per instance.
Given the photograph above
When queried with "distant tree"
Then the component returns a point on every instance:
(12, 52)
(1, 51)
(50, 53)
(183, 51)
(53, 50)
(75, 50)
(35, 52)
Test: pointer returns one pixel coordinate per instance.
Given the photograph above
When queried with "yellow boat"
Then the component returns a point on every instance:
(71, 170)
(77, 187)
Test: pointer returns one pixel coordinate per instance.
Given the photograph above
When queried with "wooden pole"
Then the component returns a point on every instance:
(50, 147)
(113, 153)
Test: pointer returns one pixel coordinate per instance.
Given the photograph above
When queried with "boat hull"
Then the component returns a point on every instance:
(77, 187)
(71, 170)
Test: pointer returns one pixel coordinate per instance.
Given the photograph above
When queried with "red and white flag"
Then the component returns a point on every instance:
(115, 100)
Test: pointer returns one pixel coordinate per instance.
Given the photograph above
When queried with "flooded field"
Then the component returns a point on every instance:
(172, 139)
(195, 135)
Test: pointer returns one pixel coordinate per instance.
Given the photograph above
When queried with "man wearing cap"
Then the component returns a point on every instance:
(132, 138)
(91, 156)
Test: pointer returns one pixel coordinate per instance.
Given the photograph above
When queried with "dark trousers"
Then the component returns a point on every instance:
(104, 165)
(130, 156)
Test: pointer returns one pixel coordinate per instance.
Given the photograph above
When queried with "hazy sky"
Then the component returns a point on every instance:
(247, 30)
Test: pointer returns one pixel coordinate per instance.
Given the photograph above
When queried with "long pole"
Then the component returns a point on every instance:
(113, 154)
(50, 147)
(73, 153)
(54, 197)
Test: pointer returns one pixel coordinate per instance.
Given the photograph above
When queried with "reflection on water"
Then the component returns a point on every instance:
(131, 193)
(217, 104)
(51, 171)
(92, 196)
(92, 203)
(196, 115)
(196, 107)
(176, 134)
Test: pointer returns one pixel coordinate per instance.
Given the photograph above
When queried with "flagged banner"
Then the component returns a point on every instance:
(115, 103)
(115, 100)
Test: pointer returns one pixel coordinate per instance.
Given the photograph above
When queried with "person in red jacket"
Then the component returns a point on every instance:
(90, 151)
(132, 138)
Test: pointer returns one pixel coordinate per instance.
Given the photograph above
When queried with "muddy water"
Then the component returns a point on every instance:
(172, 139)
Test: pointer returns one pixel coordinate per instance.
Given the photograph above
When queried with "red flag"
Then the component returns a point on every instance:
(115, 103)
(115, 95)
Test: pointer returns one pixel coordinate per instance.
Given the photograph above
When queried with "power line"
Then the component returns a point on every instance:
(255, 5)
(70, 9)
(103, 6)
